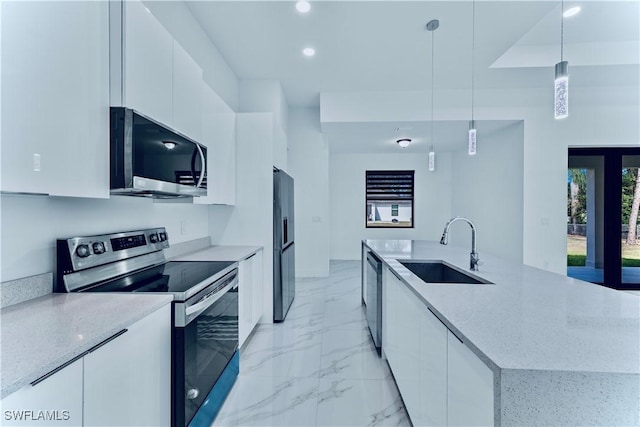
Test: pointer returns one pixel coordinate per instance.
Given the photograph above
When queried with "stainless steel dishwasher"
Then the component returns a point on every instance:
(374, 299)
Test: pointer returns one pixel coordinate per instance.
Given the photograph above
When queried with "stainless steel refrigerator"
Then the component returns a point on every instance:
(284, 286)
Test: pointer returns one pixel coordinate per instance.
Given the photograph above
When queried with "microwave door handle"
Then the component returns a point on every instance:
(203, 172)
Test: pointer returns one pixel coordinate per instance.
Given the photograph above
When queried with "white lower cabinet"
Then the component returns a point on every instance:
(442, 382)
(409, 347)
(127, 381)
(57, 400)
(470, 388)
(390, 289)
(258, 290)
(432, 371)
(249, 295)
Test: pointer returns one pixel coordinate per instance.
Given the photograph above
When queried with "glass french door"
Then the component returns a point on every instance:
(603, 201)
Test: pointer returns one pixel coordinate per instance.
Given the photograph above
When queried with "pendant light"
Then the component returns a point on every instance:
(472, 122)
(432, 26)
(561, 83)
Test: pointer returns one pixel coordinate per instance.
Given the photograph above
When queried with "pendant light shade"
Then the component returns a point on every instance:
(432, 26)
(472, 138)
(561, 82)
(561, 91)
(432, 159)
(471, 143)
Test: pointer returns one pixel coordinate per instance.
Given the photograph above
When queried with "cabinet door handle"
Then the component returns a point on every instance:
(250, 256)
(443, 324)
(396, 274)
(111, 338)
(59, 368)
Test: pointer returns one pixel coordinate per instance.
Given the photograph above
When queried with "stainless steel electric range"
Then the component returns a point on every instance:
(205, 357)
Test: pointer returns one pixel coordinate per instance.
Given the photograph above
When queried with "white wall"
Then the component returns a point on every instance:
(176, 17)
(487, 188)
(31, 225)
(309, 167)
(250, 222)
(432, 199)
(599, 116)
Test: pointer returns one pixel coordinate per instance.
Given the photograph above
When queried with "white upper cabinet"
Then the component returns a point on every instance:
(219, 135)
(55, 98)
(141, 61)
(187, 94)
(151, 72)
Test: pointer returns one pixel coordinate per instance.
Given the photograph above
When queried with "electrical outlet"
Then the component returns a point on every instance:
(316, 219)
(183, 227)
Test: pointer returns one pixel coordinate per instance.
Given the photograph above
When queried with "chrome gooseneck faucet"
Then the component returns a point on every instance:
(474, 261)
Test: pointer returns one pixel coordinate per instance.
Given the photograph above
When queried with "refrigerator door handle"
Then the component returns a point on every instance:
(285, 229)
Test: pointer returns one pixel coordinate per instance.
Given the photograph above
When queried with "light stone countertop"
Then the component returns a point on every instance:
(220, 253)
(529, 319)
(44, 333)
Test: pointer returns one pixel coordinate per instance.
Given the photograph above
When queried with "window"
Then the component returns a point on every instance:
(389, 201)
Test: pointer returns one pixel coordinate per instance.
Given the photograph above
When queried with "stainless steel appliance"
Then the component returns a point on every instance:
(150, 159)
(374, 299)
(284, 287)
(205, 355)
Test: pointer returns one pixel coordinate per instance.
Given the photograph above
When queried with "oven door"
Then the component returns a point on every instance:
(205, 342)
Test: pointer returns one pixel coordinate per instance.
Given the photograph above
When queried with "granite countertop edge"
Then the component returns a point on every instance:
(466, 330)
(12, 381)
(233, 253)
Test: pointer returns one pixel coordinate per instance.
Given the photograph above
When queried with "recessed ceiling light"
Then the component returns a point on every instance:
(169, 144)
(404, 142)
(308, 51)
(303, 6)
(572, 11)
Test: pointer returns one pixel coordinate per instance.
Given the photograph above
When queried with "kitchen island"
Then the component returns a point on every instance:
(535, 348)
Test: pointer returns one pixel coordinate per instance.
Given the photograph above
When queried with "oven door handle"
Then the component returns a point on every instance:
(193, 311)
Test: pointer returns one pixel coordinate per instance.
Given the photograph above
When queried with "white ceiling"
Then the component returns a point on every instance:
(381, 137)
(384, 46)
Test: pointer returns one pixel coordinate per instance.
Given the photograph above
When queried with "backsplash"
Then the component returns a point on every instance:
(20, 290)
(31, 225)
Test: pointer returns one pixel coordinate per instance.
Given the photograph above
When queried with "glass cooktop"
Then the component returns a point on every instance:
(172, 277)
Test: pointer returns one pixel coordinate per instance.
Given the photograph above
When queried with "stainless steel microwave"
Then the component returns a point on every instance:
(152, 160)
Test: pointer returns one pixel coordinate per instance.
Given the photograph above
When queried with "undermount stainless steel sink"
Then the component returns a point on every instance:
(435, 271)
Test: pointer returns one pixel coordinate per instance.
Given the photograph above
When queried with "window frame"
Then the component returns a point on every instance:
(411, 199)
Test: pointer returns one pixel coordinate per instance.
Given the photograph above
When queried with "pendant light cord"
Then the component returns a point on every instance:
(432, 56)
(473, 56)
(562, 31)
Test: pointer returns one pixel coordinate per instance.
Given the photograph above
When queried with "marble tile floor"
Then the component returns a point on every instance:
(319, 367)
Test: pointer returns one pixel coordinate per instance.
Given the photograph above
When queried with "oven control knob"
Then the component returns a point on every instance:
(192, 393)
(83, 251)
(98, 248)
(153, 238)
(163, 237)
